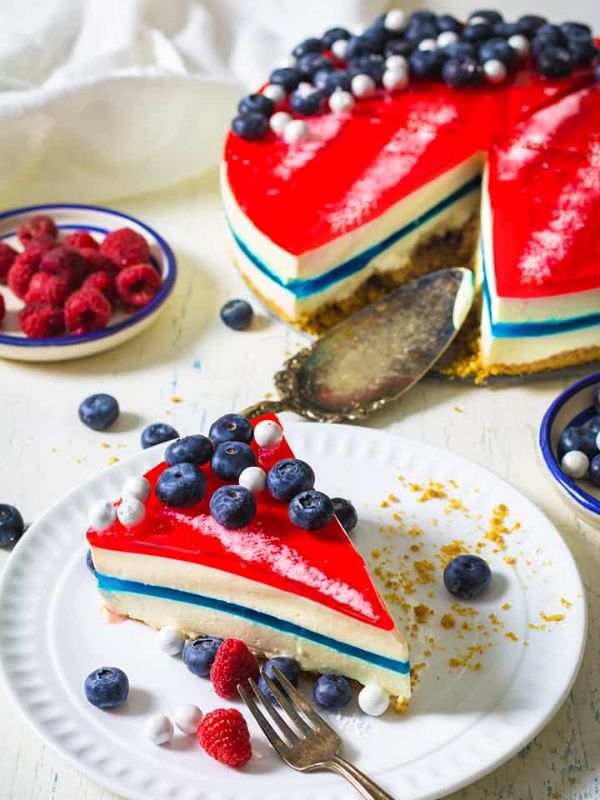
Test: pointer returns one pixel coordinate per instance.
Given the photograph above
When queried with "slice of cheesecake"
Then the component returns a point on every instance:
(281, 589)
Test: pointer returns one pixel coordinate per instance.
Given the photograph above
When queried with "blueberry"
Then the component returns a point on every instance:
(489, 14)
(574, 438)
(330, 80)
(89, 562)
(307, 104)
(345, 512)
(289, 667)
(157, 433)
(251, 126)
(460, 50)
(582, 52)
(478, 32)
(446, 22)
(595, 470)
(311, 45)
(333, 35)
(258, 103)
(363, 46)
(289, 477)
(466, 577)
(422, 16)
(554, 62)
(233, 506)
(333, 692)
(237, 314)
(195, 449)
(286, 77)
(231, 428)
(416, 32)
(398, 47)
(107, 687)
(548, 34)
(570, 28)
(530, 23)
(498, 48)
(180, 486)
(372, 65)
(230, 459)
(507, 29)
(594, 424)
(426, 64)
(310, 510)
(312, 63)
(199, 654)
(99, 411)
(597, 399)
(11, 525)
(376, 36)
(461, 71)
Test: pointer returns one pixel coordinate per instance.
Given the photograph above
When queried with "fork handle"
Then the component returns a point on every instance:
(363, 785)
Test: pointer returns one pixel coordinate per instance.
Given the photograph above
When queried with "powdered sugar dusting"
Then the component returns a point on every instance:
(299, 154)
(394, 162)
(550, 246)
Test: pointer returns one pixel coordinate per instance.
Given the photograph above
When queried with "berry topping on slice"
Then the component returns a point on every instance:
(230, 428)
(107, 687)
(466, 577)
(180, 486)
(11, 525)
(233, 665)
(137, 285)
(157, 433)
(39, 226)
(224, 735)
(233, 506)
(289, 477)
(125, 247)
(86, 311)
(250, 125)
(310, 510)
(199, 654)
(41, 320)
(345, 512)
(237, 314)
(99, 411)
(258, 103)
(196, 449)
(230, 459)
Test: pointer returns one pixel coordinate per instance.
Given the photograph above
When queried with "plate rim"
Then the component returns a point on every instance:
(167, 284)
(96, 774)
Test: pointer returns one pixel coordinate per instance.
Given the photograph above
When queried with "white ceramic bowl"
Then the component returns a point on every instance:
(99, 221)
(575, 406)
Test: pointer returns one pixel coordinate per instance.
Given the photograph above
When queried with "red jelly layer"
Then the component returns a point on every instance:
(549, 170)
(322, 565)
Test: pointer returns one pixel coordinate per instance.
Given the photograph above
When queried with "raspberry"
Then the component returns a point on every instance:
(86, 311)
(40, 226)
(7, 257)
(125, 247)
(2, 308)
(24, 267)
(137, 285)
(233, 665)
(39, 320)
(95, 261)
(47, 288)
(66, 262)
(80, 240)
(224, 734)
(103, 282)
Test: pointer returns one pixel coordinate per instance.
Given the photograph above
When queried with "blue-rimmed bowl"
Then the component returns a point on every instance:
(575, 406)
(98, 221)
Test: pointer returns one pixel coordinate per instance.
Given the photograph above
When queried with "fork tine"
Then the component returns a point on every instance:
(292, 736)
(287, 705)
(299, 701)
(266, 728)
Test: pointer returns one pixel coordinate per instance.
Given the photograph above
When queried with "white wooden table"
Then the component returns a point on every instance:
(188, 369)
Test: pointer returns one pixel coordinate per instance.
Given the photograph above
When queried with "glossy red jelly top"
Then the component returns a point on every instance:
(544, 184)
(320, 565)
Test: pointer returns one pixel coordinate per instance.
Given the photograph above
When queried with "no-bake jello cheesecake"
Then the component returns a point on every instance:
(378, 178)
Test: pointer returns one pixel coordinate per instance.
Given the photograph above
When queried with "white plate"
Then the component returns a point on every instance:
(461, 724)
(122, 327)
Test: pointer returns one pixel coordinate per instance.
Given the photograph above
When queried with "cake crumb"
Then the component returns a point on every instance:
(401, 705)
(176, 399)
(105, 445)
(113, 460)
(552, 617)
(510, 560)
(565, 603)
(392, 498)
(422, 613)
(376, 553)
(458, 410)
(384, 504)
(506, 606)
(448, 622)
(425, 571)
(512, 636)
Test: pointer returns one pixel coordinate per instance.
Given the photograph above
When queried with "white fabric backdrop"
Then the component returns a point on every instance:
(107, 98)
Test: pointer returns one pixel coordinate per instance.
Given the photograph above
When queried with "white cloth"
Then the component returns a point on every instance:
(108, 98)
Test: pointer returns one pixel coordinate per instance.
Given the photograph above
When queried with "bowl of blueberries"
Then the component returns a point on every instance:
(570, 445)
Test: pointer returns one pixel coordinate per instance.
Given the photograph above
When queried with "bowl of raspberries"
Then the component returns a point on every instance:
(76, 280)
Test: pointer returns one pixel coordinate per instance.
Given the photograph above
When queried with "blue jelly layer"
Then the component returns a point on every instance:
(304, 288)
(109, 584)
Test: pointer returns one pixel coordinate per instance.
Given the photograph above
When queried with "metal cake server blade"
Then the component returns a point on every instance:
(377, 354)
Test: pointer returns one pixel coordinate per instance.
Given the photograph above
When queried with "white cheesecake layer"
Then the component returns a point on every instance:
(332, 641)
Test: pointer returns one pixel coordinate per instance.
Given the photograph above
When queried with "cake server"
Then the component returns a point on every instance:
(377, 354)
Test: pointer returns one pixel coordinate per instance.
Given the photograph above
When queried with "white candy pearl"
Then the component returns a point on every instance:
(428, 44)
(598, 441)
(363, 86)
(101, 515)
(279, 120)
(268, 433)
(187, 718)
(339, 48)
(288, 61)
(520, 44)
(171, 641)
(445, 38)
(158, 729)
(495, 71)
(130, 512)
(254, 479)
(275, 93)
(305, 88)
(373, 700)
(478, 21)
(395, 20)
(137, 487)
(575, 464)
(341, 101)
(396, 62)
(295, 131)
(395, 79)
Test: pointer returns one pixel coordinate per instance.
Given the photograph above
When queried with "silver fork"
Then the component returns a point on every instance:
(308, 743)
